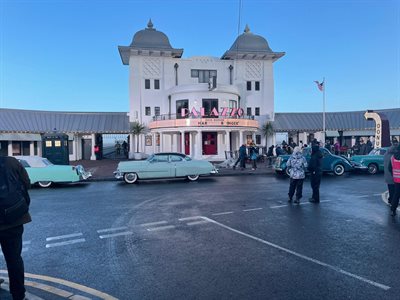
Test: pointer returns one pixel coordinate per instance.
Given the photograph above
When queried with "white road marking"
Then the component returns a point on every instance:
(153, 223)
(223, 213)
(190, 218)
(161, 228)
(65, 243)
(251, 209)
(106, 236)
(112, 229)
(197, 223)
(318, 262)
(63, 237)
(49, 289)
(301, 203)
(278, 206)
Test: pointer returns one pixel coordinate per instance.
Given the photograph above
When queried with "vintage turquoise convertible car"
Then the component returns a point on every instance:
(330, 162)
(42, 172)
(372, 163)
(164, 165)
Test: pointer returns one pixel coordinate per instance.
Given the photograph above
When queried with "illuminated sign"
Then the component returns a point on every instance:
(225, 112)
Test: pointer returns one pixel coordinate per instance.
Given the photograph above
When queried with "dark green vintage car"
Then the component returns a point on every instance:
(371, 163)
(330, 162)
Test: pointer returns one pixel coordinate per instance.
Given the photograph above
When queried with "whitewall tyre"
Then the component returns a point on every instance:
(44, 184)
(338, 170)
(130, 178)
(193, 177)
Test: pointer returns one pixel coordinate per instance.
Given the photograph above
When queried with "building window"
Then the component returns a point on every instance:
(249, 111)
(258, 139)
(257, 87)
(156, 84)
(248, 84)
(157, 110)
(208, 105)
(147, 111)
(257, 111)
(203, 75)
(232, 104)
(181, 104)
(147, 84)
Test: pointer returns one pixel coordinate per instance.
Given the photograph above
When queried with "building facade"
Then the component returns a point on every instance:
(200, 106)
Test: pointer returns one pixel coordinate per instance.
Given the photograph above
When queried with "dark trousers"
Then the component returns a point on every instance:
(11, 245)
(391, 192)
(242, 161)
(254, 163)
(296, 185)
(315, 183)
(396, 196)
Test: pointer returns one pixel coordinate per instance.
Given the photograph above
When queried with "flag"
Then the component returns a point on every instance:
(320, 85)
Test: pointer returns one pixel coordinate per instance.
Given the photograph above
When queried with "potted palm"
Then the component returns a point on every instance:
(137, 128)
(267, 129)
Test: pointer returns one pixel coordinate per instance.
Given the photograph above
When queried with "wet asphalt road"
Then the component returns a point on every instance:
(218, 238)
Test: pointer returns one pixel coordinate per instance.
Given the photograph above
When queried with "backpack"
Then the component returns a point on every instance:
(13, 204)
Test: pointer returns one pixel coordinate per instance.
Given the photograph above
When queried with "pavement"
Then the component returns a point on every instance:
(102, 170)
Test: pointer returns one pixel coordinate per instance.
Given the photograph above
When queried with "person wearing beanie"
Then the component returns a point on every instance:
(394, 168)
(315, 168)
(388, 174)
(297, 165)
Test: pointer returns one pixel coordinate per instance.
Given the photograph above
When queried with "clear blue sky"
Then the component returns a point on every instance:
(62, 55)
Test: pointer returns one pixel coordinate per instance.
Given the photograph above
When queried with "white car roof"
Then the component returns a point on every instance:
(34, 161)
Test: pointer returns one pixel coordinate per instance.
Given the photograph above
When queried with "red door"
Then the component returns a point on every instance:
(187, 143)
(210, 143)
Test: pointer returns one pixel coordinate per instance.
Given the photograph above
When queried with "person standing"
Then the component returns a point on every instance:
(315, 168)
(394, 167)
(242, 157)
(253, 156)
(270, 155)
(14, 185)
(297, 165)
(388, 174)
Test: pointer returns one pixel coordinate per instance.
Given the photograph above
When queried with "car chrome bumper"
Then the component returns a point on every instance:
(358, 166)
(215, 171)
(118, 175)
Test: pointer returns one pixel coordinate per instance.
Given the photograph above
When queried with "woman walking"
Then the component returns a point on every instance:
(297, 165)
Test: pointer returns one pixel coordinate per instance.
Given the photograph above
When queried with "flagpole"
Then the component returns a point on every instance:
(323, 111)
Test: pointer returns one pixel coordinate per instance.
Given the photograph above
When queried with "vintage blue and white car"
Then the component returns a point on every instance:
(164, 165)
(330, 162)
(42, 172)
(371, 163)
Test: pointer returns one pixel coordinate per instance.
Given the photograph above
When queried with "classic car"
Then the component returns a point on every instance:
(330, 162)
(44, 173)
(372, 163)
(164, 165)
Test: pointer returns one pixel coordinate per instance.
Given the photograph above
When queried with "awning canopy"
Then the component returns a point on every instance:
(20, 137)
(332, 133)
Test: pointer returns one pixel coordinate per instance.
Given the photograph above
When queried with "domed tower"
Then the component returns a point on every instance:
(254, 72)
(149, 42)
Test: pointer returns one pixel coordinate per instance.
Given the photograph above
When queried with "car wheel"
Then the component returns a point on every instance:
(193, 177)
(44, 184)
(287, 172)
(130, 177)
(338, 170)
(372, 169)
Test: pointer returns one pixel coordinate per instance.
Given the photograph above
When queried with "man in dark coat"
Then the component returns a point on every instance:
(11, 233)
(242, 157)
(315, 168)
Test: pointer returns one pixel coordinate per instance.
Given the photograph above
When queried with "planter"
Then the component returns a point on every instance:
(137, 155)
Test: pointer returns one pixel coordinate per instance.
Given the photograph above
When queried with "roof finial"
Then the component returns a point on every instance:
(247, 29)
(150, 24)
